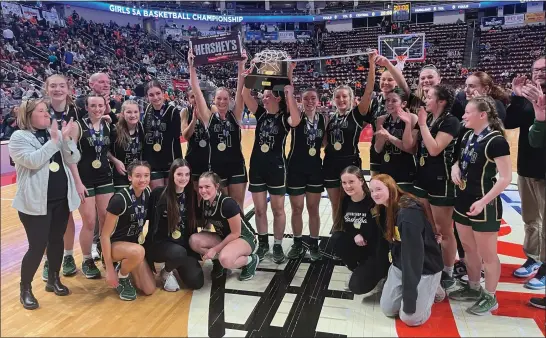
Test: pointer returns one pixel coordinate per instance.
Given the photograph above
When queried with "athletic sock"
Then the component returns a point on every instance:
(297, 239)
(248, 260)
(277, 241)
(314, 240)
(122, 276)
(69, 252)
(263, 238)
(86, 257)
(448, 270)
(492, 294)
(44, 258)
(474, 285)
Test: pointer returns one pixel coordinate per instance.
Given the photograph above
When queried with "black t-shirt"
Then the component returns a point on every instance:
(71, 111)
(219, 211)
(122, 205)
(115, 108)
(482, 169)
(271, 132)
(395, 162)
(57, 186)
(344, 130)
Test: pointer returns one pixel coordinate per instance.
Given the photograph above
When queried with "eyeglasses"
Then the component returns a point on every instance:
(539, 70)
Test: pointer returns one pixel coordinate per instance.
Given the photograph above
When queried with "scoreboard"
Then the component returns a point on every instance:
(401, 12)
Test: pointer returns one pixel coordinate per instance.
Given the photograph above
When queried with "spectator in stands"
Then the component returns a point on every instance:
(531, 173)
(9, 124)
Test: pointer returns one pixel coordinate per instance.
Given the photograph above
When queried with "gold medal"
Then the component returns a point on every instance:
(176, 234)
(202, 143)
(264, 148)
(356, 225)
(422, 161)
(141, 238)
(312, 152)
(54, 167)
(222, 146)
(462, 186)
(387, 157)
(157, 147)
(337, 146)
(96, 164)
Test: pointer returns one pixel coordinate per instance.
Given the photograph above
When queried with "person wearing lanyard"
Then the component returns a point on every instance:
(267, 162)
(123, 235)
(193, 130)
(232, 245)
(162, 127)
(173, 220)
(343, 134)
(93, 135)
(224, 130)
(46, 192)
(126, 143)
(396, 157)
(63, 109)
(484, 152)
(436, 137)
(304, 182)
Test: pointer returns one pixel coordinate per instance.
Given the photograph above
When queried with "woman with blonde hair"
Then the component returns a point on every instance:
(46, 192)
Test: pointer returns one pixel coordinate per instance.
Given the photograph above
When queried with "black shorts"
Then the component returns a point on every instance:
(440, 191)
(231, 173)
(299, 180)
(99, 188)
(375, 160)
(197, 168)
(120, 182)
(332, 168)
(268, 177)
(488, 220)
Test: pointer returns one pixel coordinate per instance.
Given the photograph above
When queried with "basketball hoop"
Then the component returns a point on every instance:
(401, 61)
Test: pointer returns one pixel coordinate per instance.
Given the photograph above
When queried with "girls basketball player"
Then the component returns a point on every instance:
(396, 156)
(267, 162)
(233, 244)
(193, 130)
(436, 139)
(415, 273)
(172, 218)
(481, 84)
(62, 108)
(343, 134)
(358, 238)
(127, 140)
(389, 79)
(123, 236)
(162, 127)
(224, 130)
(93, 135)
(304, 178)
(478, 209)
(46, 192)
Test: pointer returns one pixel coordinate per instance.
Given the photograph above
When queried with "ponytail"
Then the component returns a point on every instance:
(487, 104)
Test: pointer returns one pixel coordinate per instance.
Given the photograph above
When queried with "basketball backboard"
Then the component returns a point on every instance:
(412, 45)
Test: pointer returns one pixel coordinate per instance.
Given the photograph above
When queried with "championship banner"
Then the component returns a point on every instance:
(535, 17)
(11, 8)
(493, 21)
(516, 19)
(216, 49)
(181, 85)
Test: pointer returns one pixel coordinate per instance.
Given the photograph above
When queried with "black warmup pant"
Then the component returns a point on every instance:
(175, 256)
(44, 231)
(367, 269)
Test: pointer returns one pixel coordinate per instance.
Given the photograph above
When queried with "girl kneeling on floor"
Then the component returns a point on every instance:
(233, 244)
(125, 216)
(417, 264)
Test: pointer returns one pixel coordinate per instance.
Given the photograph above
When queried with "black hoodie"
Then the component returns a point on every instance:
(415, 251)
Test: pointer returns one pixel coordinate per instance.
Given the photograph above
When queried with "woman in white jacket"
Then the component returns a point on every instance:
(46, 192)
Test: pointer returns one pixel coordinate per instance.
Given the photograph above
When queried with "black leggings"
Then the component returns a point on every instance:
(44, 231)
(460, 248)
(175, 256)
(367, 270)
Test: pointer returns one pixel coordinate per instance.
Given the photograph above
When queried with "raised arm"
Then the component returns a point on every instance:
(239, 104)
(395, 72)
(295, 115)
(249, 101)
(201, 103)
(364, 105)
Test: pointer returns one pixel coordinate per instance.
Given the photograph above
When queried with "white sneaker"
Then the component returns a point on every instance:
(465, 278)
(169, 281)
(94, 252)
(440, 294)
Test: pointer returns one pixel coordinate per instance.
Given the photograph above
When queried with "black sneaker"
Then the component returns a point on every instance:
(90, 270)
(278, 254)
(263, 249)
(296, 251)
(538, 302)
(448, 283)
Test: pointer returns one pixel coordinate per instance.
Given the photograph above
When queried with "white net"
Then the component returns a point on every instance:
(401, 61)
(268, 60)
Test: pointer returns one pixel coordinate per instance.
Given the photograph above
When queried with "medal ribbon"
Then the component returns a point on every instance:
(312, 130)
(43, 141)
(97, 141)
(266, 128)
(181, 208)
(156, 123)
(138, 208)
(135, 142)
(54, 116)
(467, 153)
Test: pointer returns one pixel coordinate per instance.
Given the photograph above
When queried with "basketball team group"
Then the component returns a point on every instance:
(425, 226)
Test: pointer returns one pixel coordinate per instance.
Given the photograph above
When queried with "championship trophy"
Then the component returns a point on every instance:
(268, 70)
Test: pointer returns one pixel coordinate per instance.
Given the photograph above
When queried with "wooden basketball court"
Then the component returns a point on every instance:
(94, 309)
